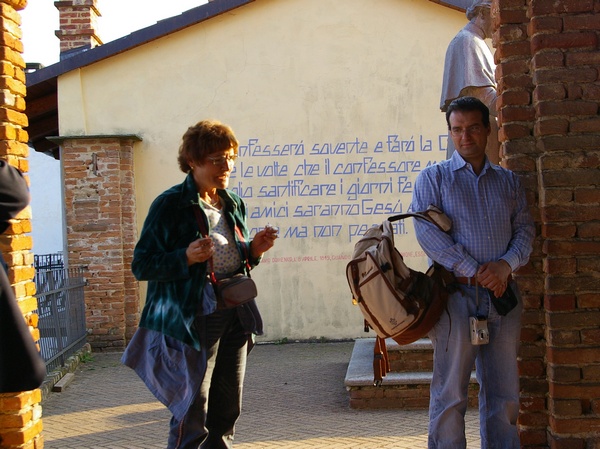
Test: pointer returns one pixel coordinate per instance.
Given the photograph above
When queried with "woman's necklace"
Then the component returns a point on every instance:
(214, 203)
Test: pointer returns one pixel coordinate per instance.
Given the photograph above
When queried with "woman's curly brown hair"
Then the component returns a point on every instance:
(202, 139)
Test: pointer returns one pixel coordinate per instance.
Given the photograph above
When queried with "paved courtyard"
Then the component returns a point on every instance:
(294, 398)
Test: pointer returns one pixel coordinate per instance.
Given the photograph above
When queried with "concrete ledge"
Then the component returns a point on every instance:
(423, 344)
(360, 367)
(63, 383)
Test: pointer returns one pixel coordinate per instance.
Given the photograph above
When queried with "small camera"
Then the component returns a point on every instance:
(479, 330)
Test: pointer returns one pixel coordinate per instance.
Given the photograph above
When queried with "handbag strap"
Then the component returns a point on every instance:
(245, 249)
(204, 233)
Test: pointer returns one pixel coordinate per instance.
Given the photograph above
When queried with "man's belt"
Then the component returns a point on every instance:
(465, 280)
(472, 280)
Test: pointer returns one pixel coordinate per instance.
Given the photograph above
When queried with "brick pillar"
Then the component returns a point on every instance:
(564, 46)
(101, 232)
(516, 114)
(78, 25)
(20, 413)
(547, 54)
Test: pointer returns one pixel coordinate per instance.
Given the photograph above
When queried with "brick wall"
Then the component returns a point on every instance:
(101, 233)
(20, 413)
(548, 62)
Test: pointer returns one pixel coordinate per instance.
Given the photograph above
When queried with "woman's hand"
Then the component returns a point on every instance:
(263, 241)
(199, 250)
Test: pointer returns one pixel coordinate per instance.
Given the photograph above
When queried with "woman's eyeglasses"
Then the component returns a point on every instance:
(223, 159)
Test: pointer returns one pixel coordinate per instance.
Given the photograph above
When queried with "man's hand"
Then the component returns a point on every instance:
(494, 276)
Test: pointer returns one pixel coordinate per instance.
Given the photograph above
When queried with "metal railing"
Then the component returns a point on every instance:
(46, 261)
(61, 311)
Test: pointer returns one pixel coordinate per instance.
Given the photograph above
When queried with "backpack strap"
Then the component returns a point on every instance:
(433, 215)
(381, 361)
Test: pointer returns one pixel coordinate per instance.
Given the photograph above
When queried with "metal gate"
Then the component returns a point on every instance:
(61, 311)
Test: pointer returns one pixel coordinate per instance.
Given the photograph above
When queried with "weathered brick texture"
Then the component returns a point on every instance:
(101, 233)
(78, 24)
(555, 104)
(20, 413)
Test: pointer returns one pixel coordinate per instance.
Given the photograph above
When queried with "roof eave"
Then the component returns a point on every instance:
(158, 30)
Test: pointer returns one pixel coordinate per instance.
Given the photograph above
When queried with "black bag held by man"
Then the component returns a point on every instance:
(504, 303)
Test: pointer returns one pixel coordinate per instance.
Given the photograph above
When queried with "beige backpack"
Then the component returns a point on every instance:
(396, 301)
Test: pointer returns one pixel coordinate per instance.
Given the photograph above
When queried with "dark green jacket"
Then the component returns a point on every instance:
(174, 297)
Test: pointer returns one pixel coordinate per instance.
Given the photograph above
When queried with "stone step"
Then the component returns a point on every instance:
(399, 389)
(417, 356)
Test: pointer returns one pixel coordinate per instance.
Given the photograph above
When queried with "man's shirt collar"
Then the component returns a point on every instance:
(457, 163)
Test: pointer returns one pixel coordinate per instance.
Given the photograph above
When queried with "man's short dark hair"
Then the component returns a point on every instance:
(463, 104)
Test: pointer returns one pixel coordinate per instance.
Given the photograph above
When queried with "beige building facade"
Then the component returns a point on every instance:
(335, 107)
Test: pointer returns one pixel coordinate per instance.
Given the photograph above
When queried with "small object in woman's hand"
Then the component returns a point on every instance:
(271, 231)
(205, 244)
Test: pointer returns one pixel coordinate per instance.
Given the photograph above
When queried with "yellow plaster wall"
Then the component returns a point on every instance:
(303, 83)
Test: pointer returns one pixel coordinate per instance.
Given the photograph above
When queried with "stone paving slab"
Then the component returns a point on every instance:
(294, 398)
